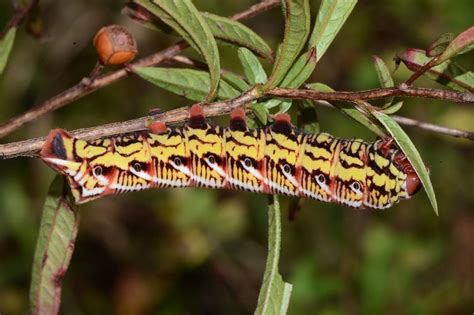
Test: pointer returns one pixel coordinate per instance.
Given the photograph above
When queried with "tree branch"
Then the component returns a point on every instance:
(402, 90)
(32, 146)
(87, 85)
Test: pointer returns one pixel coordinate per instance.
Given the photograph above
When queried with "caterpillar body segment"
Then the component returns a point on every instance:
(277, 159)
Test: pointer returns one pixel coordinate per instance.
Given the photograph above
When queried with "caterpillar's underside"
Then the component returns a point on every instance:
(277, 159)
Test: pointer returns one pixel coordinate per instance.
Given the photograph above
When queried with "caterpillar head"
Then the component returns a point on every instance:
(413, 182)
(77, 160)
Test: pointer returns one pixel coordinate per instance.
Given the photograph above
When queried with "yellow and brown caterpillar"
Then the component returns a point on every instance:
(277, 159)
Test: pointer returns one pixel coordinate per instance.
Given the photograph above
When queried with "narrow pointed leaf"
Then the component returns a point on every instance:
(392, 109)
(138, 13)
(331, 17)
(274, 102)
(463, 43)
(384, 76)
(261, 112)
(297, 25)
(6, 45)
(236, 33)
(190, 83)
(165, 22)
(301, 70)
(282, 103)
(437, 47)
(274, 294)
(285, 106)
(383, 73)
(407, 146)
(349, 110)
(186, 14)
(54, 248)
(298, 74)
(252, 67)
(223, 29)
(235, 81)
(307, 116)
(447, 73)
(186, 20)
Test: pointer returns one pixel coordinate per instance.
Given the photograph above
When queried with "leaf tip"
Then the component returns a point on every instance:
(375, 58)
(313, 54)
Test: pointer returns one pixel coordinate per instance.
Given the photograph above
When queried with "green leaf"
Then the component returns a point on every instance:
(54, 248)
(166, 22)
(407, 146)
(463, 43)
(384, 76)
(261, 112)
(274, 102)
(307, 116)
(318, 86)
(274, 294)
(392, 109)
(447, 73)
(6, 45)
(360, 117)
(234, 32)
(350, 111)
(138, 13)
(331, 17)
(383, 73)
(252, 67)
(185, 19)
(298, 74)
(301, 70)
(223, 29)
(285, 106)
(190, 83)
(437, 47)
(297, 25)
(235, 81)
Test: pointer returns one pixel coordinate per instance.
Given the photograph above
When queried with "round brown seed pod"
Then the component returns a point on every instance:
(115, 45)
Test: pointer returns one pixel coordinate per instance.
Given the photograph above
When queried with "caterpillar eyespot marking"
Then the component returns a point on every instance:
(321, 179)
(274, 159)
(211, 159)
(137, 167)
(177, 161)
(97, 170)
(355, 186)
(247, 162)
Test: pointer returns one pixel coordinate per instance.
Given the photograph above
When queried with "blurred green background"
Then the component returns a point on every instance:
(194, 251)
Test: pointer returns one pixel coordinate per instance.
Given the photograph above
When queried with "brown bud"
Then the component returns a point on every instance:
(115, 45)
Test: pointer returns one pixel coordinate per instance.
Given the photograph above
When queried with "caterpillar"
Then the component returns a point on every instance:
(276, 159)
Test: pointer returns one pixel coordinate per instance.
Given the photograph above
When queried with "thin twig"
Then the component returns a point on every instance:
(420, 71)
(19, 16)
(434, 128)
(256, 9)
(83, 88)
(404, 90)
(88, 86)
